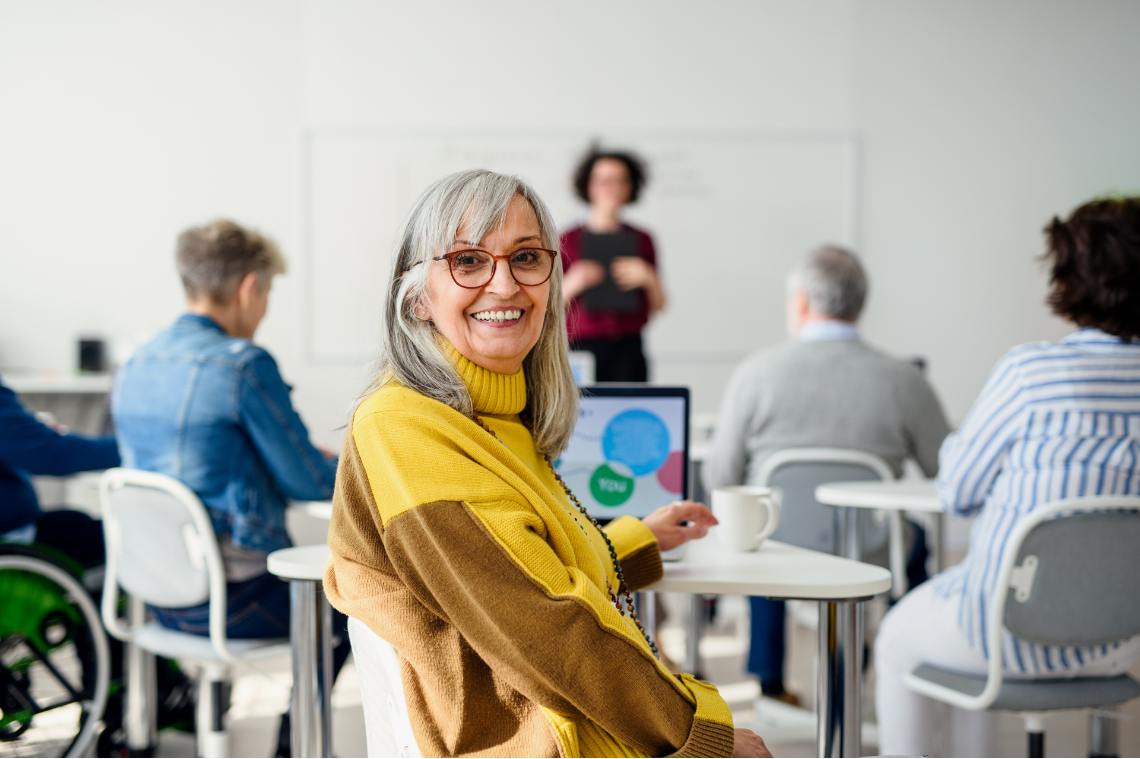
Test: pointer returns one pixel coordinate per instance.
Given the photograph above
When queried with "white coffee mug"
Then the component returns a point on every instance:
(746, 514)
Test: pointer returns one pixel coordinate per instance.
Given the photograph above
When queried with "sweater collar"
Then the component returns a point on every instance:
(491, 392)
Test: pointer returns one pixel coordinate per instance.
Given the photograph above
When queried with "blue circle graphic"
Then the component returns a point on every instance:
(637, 438)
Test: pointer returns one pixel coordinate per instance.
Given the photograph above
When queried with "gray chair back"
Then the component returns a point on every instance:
(1074, 582)
(804, 521)
(1067, 578)
(160, 543)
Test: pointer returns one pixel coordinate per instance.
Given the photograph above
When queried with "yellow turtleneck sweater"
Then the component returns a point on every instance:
(461, 549)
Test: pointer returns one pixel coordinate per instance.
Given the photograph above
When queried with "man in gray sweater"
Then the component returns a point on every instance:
(823, 388)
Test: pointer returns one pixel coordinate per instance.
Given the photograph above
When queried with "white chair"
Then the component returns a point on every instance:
(1072, 565)
(796, 472)
(582, 367)
(388, 731)
(161, 550)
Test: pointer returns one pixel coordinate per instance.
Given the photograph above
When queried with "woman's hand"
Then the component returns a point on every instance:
(633, 273)
(747, 743)
(580, 277)
(679, 522)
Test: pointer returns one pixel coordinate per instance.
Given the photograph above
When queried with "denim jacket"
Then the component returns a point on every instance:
(28, 446)
(213, 411)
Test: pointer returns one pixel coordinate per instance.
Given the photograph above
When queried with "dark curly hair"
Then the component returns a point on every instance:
(1094, 257)
(638, 175)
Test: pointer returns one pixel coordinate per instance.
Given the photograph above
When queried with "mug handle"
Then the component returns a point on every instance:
(772, 507)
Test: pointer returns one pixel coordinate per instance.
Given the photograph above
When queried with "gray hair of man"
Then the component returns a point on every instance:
(411, 351)
(834, 282)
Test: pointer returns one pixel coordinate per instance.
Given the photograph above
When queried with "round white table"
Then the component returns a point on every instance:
(310, 633)
(777, 570)
(919, 496)
(782, 571)
(904, 495)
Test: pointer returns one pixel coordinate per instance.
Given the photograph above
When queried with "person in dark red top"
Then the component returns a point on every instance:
(608, 181)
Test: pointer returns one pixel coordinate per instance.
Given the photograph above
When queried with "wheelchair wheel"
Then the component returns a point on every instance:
(54, 660)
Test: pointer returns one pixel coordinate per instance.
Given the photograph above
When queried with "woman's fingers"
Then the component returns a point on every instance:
(692, 511)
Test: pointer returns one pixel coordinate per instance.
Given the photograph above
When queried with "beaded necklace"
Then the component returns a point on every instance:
(622, 597)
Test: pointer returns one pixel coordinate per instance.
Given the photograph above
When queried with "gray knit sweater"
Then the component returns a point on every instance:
(830, 393)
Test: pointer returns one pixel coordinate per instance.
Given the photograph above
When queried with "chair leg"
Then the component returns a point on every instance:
(1104, 732)
(213, 703)
(1035, 732)
(693, 633)
(141, 706)
(141, 703)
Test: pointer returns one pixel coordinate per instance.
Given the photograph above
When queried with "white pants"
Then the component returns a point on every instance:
(923, 628)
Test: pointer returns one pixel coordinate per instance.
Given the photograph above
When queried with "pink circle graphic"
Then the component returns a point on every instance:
(670, 475)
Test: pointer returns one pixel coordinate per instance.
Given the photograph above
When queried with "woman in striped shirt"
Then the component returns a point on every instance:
(1055, 420)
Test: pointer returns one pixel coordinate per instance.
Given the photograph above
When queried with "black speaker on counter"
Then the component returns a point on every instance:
(92, 355)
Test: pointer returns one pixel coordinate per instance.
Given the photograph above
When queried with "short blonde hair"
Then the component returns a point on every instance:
(213, 259)
(411, 352)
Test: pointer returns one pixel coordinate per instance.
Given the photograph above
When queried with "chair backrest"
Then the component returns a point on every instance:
(804, 521)
(161, 547)
(1067, 578)
(388, 730)
(1073, 575)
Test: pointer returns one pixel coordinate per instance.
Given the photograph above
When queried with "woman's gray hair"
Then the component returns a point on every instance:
(411, 352)
(834, 281)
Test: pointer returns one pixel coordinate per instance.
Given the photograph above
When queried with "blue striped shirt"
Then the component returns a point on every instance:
(1055, 420)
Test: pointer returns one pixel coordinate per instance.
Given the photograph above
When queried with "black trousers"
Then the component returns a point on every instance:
(72, 533)
(620, 359)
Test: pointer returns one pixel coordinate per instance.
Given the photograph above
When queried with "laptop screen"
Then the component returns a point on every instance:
(629, 453)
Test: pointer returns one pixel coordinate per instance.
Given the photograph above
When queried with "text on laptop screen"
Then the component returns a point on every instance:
(628, 453)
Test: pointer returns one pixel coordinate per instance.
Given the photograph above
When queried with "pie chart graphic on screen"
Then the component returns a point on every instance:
(626, 455)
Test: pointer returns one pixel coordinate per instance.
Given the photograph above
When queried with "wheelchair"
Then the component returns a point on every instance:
(55, 660)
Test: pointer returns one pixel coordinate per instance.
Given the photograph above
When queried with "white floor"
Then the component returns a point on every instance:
(257, 700)
(257, 705)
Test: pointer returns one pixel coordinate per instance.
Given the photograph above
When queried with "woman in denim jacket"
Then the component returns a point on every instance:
(202, 403)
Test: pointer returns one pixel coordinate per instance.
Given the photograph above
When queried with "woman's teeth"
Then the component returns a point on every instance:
(498, 316)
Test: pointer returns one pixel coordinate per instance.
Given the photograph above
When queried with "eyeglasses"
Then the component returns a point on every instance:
(474, 268)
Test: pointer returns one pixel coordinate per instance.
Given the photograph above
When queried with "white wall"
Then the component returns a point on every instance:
(122, 122)
(981, 121)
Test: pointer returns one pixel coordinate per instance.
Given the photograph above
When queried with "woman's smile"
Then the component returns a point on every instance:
(499, 318)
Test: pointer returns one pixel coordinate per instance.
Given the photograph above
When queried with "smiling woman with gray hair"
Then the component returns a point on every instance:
(454, 538)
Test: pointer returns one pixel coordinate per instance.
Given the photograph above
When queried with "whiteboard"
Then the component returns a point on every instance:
(730, 213)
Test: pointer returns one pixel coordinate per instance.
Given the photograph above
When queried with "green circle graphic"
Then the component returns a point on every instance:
(610, 487)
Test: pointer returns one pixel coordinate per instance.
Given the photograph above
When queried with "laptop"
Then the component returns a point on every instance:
(629, 453)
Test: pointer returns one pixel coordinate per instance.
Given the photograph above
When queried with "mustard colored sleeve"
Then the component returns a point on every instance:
(546, 628)
(637, 551)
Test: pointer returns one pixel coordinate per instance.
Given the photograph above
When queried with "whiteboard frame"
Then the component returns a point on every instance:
(850, 140)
